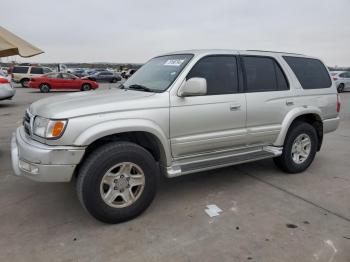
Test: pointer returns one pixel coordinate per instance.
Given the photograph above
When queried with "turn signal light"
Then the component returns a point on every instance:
(57, 129)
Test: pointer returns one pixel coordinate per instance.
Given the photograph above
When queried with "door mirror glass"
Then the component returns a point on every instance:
(196, 86)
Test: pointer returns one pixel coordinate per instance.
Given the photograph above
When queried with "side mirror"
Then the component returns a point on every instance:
(196, 86)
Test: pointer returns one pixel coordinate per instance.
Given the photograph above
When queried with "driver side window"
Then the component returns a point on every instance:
(221, 74)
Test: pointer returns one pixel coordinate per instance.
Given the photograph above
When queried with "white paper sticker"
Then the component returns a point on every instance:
(174, 62)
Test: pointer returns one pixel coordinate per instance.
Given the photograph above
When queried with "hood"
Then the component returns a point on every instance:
(92, 102)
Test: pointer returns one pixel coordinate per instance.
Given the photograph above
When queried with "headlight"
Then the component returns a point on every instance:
(48, 128)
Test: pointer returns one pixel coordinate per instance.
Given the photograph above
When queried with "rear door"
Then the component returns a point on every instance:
(268, 98)
(215, 121)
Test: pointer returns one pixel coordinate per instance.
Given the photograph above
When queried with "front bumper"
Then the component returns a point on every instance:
(42, 162)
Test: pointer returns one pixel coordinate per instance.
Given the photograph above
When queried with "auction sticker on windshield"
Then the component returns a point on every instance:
(174, 62)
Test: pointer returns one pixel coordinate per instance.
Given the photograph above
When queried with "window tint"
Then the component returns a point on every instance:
(311, 73)
(20, 70)
(220, 73)
(36, 70)
(263, 74)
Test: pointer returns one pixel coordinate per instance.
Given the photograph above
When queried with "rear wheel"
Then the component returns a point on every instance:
(25, 82)
(340, 88)
(86, 87)
(117, 182)
(114, 80)
(44, 88)
(299, 148)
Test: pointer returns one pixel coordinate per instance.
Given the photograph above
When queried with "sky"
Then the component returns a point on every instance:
(135, 31)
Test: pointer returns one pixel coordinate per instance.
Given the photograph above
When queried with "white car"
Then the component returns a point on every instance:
(342, 80)
(6, 89)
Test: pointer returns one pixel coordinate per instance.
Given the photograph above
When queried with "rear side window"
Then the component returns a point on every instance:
(20, 70)
(263, 74)
(311, 73)
(36, 70)
(220, 72)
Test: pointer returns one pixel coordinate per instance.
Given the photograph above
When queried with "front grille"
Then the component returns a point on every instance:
(26, 122)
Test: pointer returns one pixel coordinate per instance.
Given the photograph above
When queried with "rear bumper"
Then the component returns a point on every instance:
(41, 162)
(330, 125)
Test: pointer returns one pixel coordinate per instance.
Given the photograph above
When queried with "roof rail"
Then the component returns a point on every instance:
(274, 52)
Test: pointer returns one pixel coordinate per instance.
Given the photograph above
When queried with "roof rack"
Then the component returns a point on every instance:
(274, 52)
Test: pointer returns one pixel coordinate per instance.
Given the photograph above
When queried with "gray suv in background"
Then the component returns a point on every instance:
(180, 113)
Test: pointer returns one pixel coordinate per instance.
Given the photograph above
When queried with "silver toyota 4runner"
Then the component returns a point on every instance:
(181, 113)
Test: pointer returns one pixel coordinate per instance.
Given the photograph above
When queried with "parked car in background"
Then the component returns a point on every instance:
(4, 70)
(104, 76)
(79, 72)
(23, 74)
(128, 73)
(181, 113)
(342, 80)
(6, 89)
(61, 81)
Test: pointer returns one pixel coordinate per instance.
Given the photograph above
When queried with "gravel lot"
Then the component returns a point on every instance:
(267, 215)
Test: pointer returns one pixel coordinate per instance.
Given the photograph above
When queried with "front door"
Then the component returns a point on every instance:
(216, 121)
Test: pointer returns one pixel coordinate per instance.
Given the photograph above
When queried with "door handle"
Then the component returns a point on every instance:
(289, 103)
(235, 107)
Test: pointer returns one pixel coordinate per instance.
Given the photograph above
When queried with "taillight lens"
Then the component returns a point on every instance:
(338, 103)
(4, 81)
(335, 78)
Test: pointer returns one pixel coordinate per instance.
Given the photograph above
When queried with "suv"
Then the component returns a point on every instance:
(180, 113)
(22, 74)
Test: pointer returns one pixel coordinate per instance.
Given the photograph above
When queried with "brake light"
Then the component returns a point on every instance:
(338, 103)
(4, 81)
(335, 78)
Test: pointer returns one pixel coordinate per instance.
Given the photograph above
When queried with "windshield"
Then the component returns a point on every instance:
(158, 73)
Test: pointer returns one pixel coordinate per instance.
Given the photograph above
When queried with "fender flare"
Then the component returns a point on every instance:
(290, 117)
(107, 128)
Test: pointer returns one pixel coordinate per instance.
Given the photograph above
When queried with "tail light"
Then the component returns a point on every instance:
(32, 79)
(4, 81)
(335, 78)
(338, 103)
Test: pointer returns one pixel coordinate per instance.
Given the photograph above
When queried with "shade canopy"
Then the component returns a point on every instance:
(10, 44)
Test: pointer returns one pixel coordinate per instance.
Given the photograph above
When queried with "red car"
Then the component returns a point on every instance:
(61, 81)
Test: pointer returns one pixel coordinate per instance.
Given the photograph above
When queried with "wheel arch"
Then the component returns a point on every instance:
(141, 132)
(311, 115)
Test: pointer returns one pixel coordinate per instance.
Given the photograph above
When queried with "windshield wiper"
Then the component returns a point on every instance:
(140, 87)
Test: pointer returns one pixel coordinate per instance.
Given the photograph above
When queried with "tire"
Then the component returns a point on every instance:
(44, 88)
(340, 88)
(24, 82)
(86, 87)
(305, 132)
(114, 80)
(91, 189)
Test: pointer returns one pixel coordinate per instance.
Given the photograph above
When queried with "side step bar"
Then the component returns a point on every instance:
(198, 163)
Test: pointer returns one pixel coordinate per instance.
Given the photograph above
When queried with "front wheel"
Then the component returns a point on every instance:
(86, 87)
(117, 182)
(299, 148)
